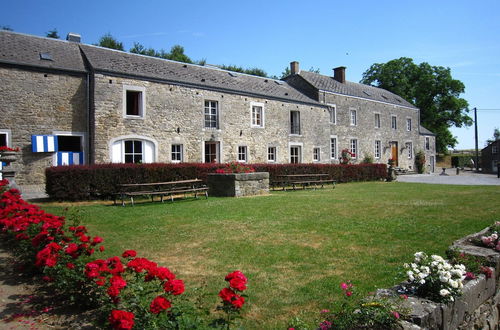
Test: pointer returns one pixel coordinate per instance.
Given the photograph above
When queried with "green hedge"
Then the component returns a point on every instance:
(101, 181)
(461, 160)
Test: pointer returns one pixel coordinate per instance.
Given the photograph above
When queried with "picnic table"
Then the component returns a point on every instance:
(304, 180)
(162, 189)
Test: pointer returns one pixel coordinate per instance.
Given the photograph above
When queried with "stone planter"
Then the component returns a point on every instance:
(238, 184)
(8, 173)
(8, 156)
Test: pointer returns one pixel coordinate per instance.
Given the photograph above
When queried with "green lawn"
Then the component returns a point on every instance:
(295, 247)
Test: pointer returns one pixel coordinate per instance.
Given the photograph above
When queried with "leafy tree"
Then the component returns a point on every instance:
(109, 41)
(53, 34)
(176, 53)
(6, 28)
(252, 71)
(496, 136)
(431, 89)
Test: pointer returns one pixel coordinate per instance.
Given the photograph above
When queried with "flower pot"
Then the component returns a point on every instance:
(8, 156)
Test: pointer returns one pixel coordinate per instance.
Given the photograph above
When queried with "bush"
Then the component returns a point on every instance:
(461, 161)
(83, 182)
(420, 161)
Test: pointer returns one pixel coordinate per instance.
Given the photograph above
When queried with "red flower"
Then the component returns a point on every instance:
(238, 301)
(129, 254)
(175, 287)
(237, 280)
(97, 240)
(101, 248)
(163, 273)
(121, 320)
(70, 265)
(227, 294)
(159, 304)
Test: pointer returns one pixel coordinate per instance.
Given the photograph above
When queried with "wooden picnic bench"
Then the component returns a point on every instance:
(304, 180)
(162, 189)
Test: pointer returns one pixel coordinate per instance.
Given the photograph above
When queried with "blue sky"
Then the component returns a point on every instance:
(462, 35)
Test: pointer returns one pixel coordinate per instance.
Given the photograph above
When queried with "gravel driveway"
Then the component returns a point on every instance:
(464, 178)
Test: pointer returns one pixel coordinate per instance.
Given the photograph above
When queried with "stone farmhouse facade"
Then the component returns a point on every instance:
(490, 157)
(64, 102)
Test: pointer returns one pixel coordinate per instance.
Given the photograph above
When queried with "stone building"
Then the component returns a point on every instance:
(490, 157)
(64, 102)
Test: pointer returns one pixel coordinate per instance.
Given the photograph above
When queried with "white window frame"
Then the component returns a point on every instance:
(253, 118)
(332, 110)
(7, 133)
(179, 152)
(210, 114)
(377, 149)
(334, 148)
(142, 105)
(409, 146)
(394, 122)
(274, 153)
(242, 154)
(353, 115)
(427, 143)
(408, 124)
(377, 122)
(354, 147)
(119, 142)
(316, 154)
(296, 145)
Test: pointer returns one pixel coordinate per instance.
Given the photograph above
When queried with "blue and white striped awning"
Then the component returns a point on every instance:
(69, 158)
(43, 143)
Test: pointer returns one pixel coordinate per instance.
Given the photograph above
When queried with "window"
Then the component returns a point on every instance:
(333, 114)
(295, 122)
(3, 139)
(394, 124)
(378, 145)
(212, 150)
(354, 117)
(134, 101)
(212, 114)
(69, 149)
(494, 149)
(408, 124)
(427, 143)
(271, 154)
(133, 149)
(242, 154)
(69, 143)
(295, 154)
(316, 154)
(409, 146)
(177, 153)
(354, 148)
(257, 116)
(333, 148)
(377, 120)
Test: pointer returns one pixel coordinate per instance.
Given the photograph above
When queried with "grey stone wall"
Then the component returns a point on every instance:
(36, 103)
(238, 184)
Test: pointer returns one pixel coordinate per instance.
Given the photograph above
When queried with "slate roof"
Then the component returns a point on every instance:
(118, 62)
(16, 48)
(329, 84)
(425, 131)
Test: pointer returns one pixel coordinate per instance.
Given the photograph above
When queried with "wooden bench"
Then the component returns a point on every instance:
(304, 180)
(162, 189)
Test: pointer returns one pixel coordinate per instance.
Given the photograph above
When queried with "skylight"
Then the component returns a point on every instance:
(46, 56)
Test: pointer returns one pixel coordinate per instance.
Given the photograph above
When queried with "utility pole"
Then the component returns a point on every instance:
(477, 149)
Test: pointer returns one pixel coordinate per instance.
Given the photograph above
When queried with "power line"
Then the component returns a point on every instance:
(487, 109)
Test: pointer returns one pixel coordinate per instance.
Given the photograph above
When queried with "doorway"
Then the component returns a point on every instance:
(212, 152)
(394, 153)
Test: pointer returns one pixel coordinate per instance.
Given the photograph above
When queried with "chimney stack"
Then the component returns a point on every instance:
(73, 37)
(294, 67)
(339, 74)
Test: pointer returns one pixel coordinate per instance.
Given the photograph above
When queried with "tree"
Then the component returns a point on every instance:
(6, 28)
(109, 41)
(496, 136)
(53, 34)
(431, 89)
(176, 53)
(252, 71)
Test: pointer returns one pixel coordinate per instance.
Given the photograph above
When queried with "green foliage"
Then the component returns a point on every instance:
(176, 53)
(53, 34)
(496, 136)
(461, 160)
(430, 88)
(251, 71)
(6, 28)
(420, 161)
(109, 41)
(368, 159)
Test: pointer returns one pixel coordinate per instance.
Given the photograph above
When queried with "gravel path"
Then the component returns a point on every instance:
(464, 178)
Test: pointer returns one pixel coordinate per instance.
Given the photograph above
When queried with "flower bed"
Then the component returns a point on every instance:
(124, 290)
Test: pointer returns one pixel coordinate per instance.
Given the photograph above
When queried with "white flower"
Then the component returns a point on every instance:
(494, 236)
(454, 284)
(419, 255)
(422, 281)
(444, 292)
(437, 258)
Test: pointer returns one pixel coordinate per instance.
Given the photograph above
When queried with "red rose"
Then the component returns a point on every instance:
(238, 301)
(237, 280)
(159, 304)
(227, 294)
(121, 320)
(70, 265)
(175, 287)
(97, 240)
(163, 273)
(129, 254)
(101, 248)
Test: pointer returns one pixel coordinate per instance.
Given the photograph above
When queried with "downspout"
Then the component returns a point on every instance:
(90, 98)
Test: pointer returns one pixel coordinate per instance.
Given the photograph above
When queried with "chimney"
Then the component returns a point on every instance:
(73, 37)
(339, 74)
(294, 67)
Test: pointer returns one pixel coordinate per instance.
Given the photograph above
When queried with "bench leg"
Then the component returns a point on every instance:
(152, 199)
(161, 198)
(132, 200)
(206, 194)
(123, 200)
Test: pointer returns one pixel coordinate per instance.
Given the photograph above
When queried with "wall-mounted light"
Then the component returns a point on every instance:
(178, 130)
(241, 132)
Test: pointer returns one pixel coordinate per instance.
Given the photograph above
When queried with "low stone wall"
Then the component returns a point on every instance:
(238, 184)
(477, 308)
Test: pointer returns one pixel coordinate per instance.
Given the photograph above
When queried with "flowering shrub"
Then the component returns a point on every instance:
(346, 156)
(235, 167)
(4, 148)
(435, 278)
(232, 302)
(492, 239)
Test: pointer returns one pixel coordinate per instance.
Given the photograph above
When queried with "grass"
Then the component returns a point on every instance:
(295, 247)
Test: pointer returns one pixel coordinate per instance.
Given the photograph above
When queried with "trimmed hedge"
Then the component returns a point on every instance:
(461, 160)
(84, 182)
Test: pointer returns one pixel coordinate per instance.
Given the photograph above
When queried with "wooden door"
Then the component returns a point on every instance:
(394, 153)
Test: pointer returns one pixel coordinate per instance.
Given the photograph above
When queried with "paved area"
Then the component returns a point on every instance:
(463, 178)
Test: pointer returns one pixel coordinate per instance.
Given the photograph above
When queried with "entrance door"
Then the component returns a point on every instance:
(212, 152)
(394, 153)
(432, 161)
